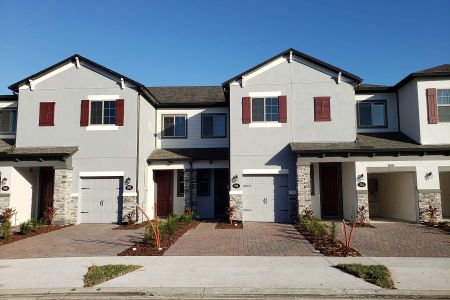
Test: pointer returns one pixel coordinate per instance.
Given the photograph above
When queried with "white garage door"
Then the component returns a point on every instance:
(101, 200)
(266, 198)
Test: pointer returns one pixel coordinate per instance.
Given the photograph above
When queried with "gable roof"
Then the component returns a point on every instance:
(302, 55)
(15, 86)
(171, 96)
(437, 71)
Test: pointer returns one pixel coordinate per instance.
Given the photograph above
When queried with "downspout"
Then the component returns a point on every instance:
(138, 202)
(398, 112)
(191, 183)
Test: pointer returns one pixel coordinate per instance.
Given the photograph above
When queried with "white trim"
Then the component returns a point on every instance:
(265, 124)
(264, 94)
(74, 195)
(264, 68)
(8, 104)
(129, 194)
(47, 76)
(265, 171)
(102, 174)
(167, 166)
(101, 127)
(103, 97)
(236, 192)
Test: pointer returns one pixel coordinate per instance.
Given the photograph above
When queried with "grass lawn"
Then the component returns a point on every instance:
(98, 274)
(376, 274)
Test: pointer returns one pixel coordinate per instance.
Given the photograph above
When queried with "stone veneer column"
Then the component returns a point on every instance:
(4, 202)
(427, 198)
(129, 205)
(362, 198)
(190, 190)
(236, 201)
(65, 205)
(303, 187)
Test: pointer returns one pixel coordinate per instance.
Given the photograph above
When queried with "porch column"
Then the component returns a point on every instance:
(4, 202)
(237, 203)
(303, 186)
(190, 190)
(65, 205)
(427, 198)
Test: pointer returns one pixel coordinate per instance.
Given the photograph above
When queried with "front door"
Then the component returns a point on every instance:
(47, 181)
(330, 190)
(164, 192)
(220, 192)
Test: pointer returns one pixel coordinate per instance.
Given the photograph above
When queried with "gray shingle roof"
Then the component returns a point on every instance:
(372, 88)
(437, 71)
(370, 143)
(6, 149)
(189, 95)
(189, 154)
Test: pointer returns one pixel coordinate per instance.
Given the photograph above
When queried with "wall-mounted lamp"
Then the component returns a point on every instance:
(428, 175)
(4, 180)
(360, 177)
(234, 178)
(127, 181)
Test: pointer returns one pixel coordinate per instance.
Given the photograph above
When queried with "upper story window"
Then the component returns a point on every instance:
(174, 126)
(265, 109)
(443, 102)
(103, 112)
(372, 114)
(8, 120)
(214, 125)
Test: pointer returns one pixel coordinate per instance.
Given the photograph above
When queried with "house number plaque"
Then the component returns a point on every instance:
(361, 184)
(236, 185)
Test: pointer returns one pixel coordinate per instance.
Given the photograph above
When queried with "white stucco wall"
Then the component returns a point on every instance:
(315, 199)
(391, 111)
(178, 202)
(24, 193)
(349, 200)
(409, 110)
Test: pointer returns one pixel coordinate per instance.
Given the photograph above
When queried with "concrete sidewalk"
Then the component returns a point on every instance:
(226, 273)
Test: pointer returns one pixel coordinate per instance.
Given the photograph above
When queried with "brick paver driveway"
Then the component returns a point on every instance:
(256, 239)
(400, 240)
(77, 240)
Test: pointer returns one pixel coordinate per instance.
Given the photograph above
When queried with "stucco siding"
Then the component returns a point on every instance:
(409, 110)
(194, 129)
(391, 111)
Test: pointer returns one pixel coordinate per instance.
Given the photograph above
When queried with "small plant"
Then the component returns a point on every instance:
(308, 213)
(361, 215)
(8, 214)
(375, 274)
(5, 229)
(130, 217)
(348, 238)
(26, 227)
(149, 234)
(99, 274)
(230, 213)
(300, 220)
(333, 231)
(187, 217)
(49, 215)
(172, 223)
(431, 214)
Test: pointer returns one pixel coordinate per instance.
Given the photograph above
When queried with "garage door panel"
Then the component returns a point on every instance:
(101, 200)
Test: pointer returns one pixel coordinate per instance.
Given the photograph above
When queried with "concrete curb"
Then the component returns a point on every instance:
(217, 293)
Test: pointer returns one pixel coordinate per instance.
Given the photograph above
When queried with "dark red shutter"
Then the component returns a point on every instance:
(432, 107)
(246, 113)
(84, 114)
(47, 114)
(119, 112)
(282, 109)
(322, 111)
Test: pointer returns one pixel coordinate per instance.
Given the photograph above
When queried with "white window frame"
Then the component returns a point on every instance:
(372, 102)
(441, 105)
(174, 116)
(103, 112)
(264, 98)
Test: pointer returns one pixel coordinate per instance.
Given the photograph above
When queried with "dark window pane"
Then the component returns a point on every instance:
(378, 114)
(96, 112)
(271, 109)
(444, 113)
(6, 121)
(257, 109)
(203, 182)
(365, 114)
(219, 129)
(13, 120)
(208, 123)
(109, 115)
(168, 126)
(180, 183)
(180, 126)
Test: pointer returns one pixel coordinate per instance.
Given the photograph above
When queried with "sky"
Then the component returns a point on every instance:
(162, 43)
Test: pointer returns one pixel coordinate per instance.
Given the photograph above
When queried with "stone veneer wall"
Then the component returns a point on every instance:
(303, 188)
(190, 190)
(129, 205)
(362, 200)
(427, 198)
(65, 205)
(4, 202)
(236, 202)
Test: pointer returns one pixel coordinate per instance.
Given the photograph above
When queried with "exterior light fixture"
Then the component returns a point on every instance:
(428, 175)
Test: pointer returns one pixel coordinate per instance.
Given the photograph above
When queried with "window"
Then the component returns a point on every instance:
(372, 114)
(265, 109)
(47, 114)
(214, 126)
(103, 112)
(203, 182)
(443, 102)
(8, 119)
(180, 183)
(174, 126)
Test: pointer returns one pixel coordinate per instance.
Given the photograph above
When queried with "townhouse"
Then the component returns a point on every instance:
(291, 133)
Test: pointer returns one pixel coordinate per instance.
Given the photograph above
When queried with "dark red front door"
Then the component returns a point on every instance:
(330, 190)
(47, 180)
(164, 192)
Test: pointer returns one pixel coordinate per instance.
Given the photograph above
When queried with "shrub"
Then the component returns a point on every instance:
(230, 213)
(308, 213)
(431, 214)
(130, 217)
(187, 217)
(149, 235)
(333, 231)
(300, 220)
(49, 215)
(172, 223)
(26, 227)
(8, 214)
(361, 215)
(316, 228)
(5, 229)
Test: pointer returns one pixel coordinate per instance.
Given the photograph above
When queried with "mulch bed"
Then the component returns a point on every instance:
(16, 236)
(326, 246)
(366, 225)
(149, 249)
(127, 226)
(445, 226)
(227, 225)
